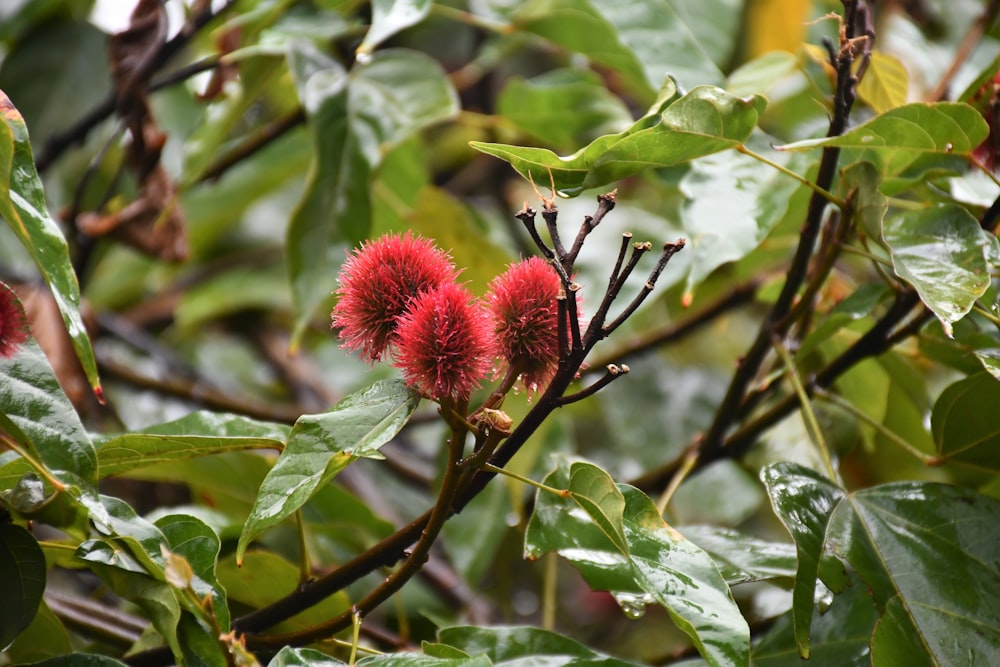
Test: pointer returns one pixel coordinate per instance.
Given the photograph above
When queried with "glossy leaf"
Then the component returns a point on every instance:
(320, 446)
(596, 493)
(803, 500)
(23, 206)
(705, 121)
(964, 423)
(198, 434)
(841, 634)
(388, 18)
(660, 565)
(897, 139)
(128, 578)
(355, 118)
(302, 657)
(22, 580)
(39, 417)
(941, 252)
(917, 546)
(418, 660)
(198, 544)
(742, 558)
(886, 83)
(725, 229)
(523, 646)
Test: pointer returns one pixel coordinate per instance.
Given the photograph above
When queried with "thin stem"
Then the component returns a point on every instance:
(613, 373)
(605, 203)
(305, 566)
(551, 218)
(574, 316)
(669, 250)
(355, 636)
(854, 250)
(808, 415)
(826, 194)
(860, 415)
(687, 465)
(489, 467)
(736, 297)
(550, 598)
(615, 285)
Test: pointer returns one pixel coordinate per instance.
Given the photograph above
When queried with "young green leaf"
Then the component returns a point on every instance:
(320, 446)
(705, 121)
(388, 18)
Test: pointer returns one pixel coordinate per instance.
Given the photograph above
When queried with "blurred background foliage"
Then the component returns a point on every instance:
(311, 134)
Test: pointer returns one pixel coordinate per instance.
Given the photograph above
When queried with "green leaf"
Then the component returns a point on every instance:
(742, 558)
(198, 434)
(265, 578)
(927, 554)
(44, 638)
(523, 646)
(859, 185)
(22, 580)
(39, 417)
(322, 445)
(355, 118)
(914, 135)
(964, 423)
(563, 108)
(886, 84)
(644, 41)
(289, 656)
(191, 538)
(841, 634)
(418, 660)
(23, 206)
(659, 565)
(388, 18)
(726, 229)
(705, 121)
(803, 500)
(593, 490)
(130, 579)
(941, 252)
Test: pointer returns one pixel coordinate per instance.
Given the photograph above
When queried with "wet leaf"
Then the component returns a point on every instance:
(23, 206)
(320, 446)
(917, 546)
(803, 500)
(199, 434)
(659, 566)
(521, 647)
(705, 121)
(941, 252)
(743, 558)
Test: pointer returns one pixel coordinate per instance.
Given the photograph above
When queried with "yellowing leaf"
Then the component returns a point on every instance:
(886, 84)
(776, 25)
